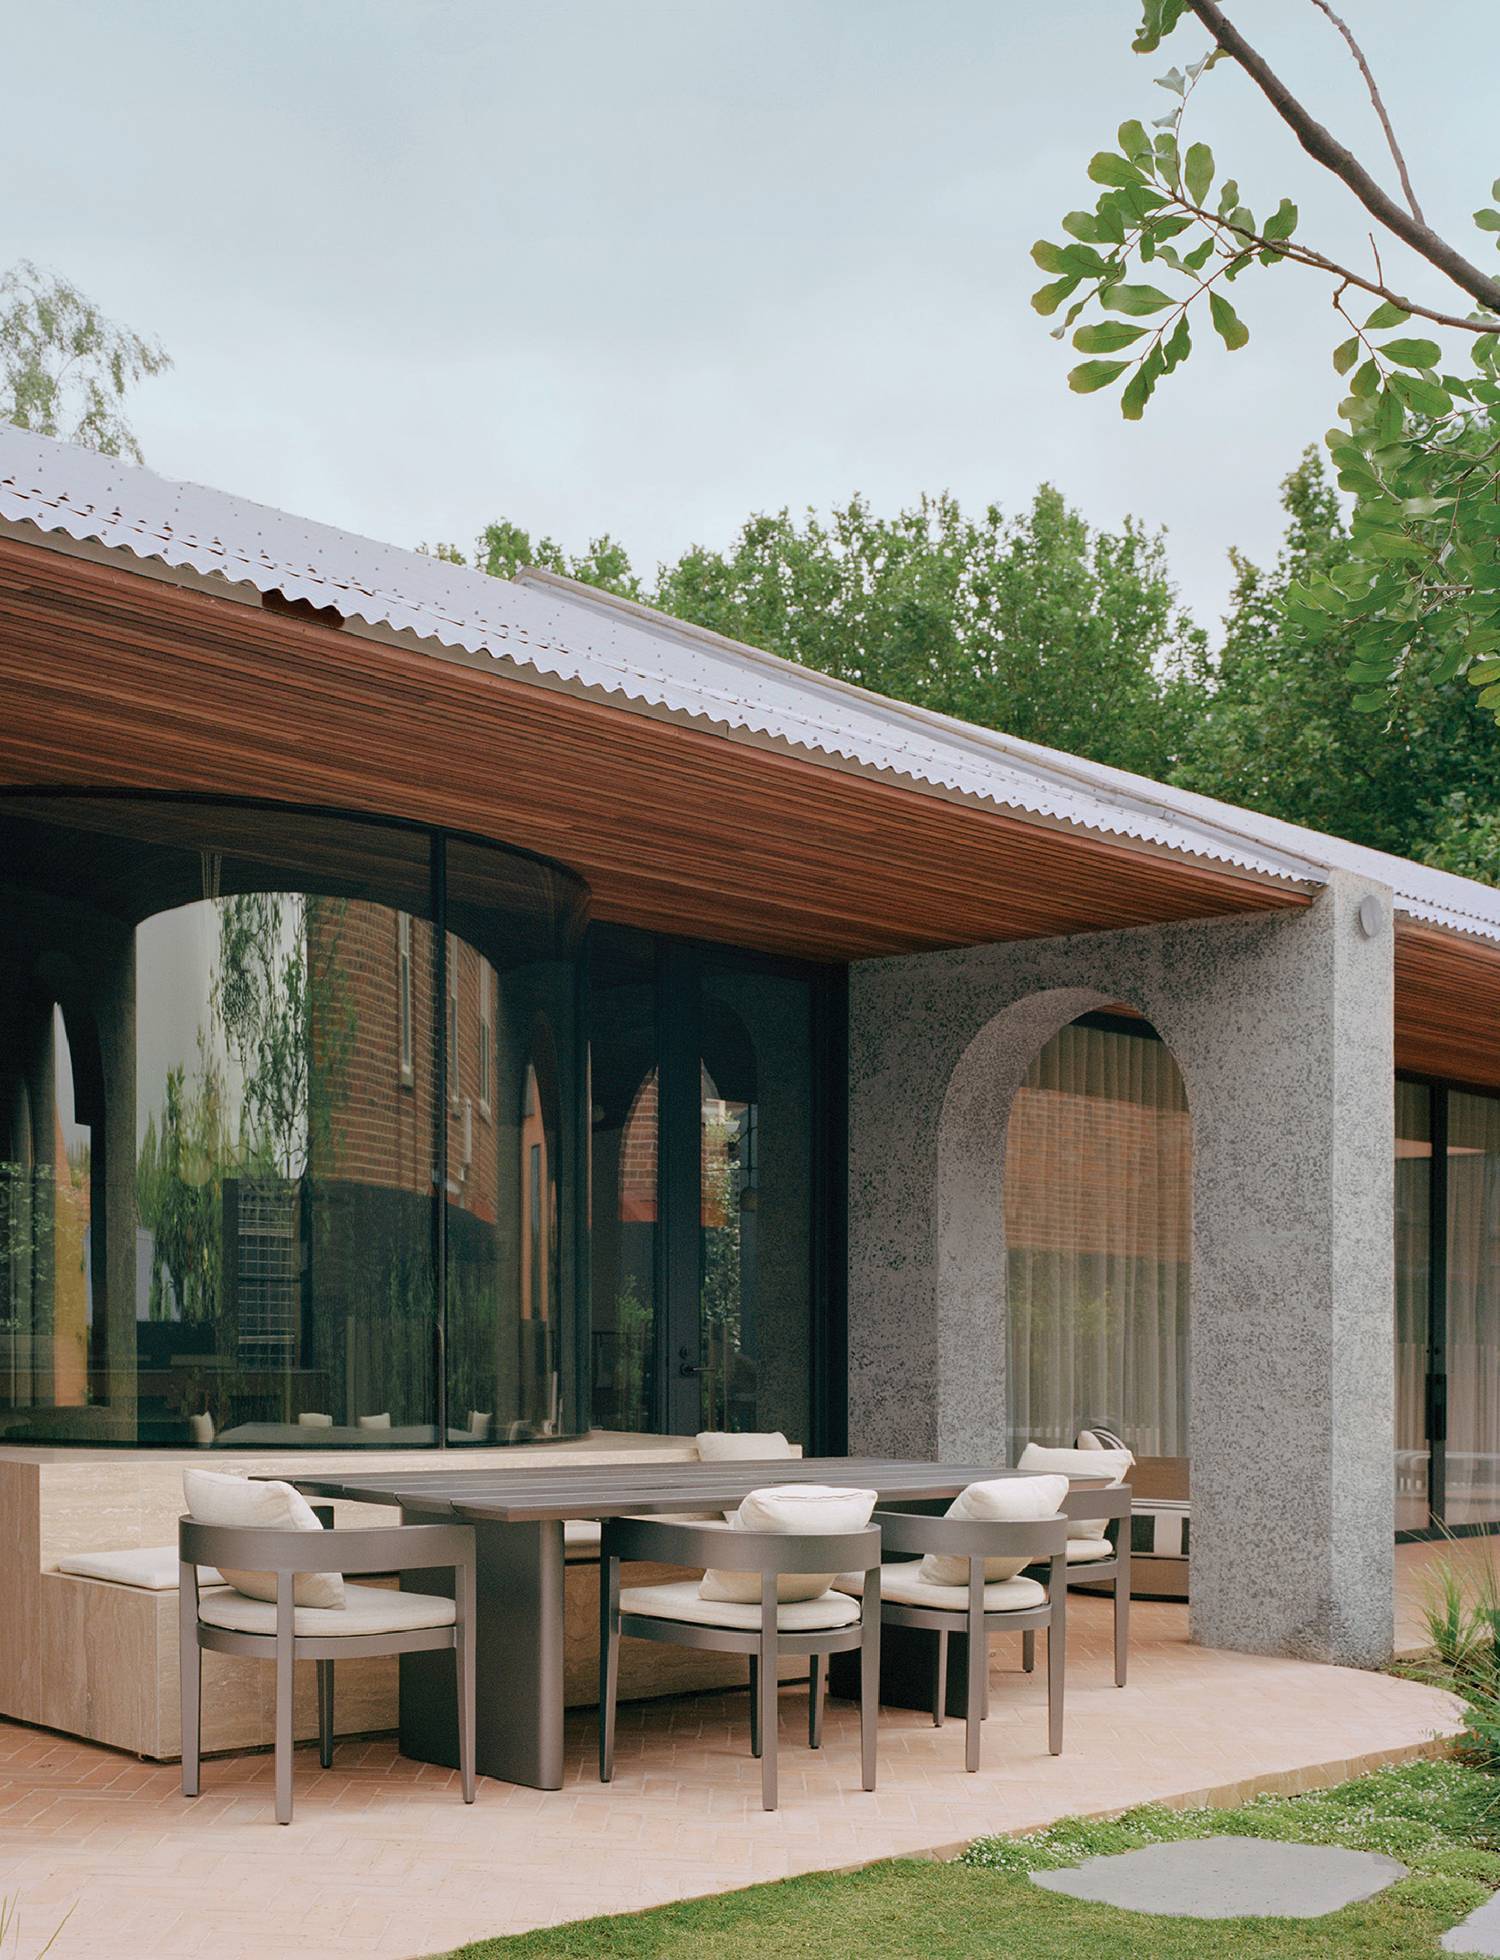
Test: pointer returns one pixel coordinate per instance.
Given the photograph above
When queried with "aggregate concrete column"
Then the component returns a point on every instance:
(1282, 1025)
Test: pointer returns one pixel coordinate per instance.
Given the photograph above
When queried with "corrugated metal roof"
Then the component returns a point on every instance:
(584, 639)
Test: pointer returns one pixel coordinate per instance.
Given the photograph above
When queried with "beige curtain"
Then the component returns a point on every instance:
(1098, 1192)
(1473, 1453)
(1413, 1252)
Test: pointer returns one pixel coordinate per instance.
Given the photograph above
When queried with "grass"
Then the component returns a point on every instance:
(1441, 1819)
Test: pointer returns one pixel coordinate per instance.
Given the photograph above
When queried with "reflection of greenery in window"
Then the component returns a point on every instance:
(721, 1295)
(180, 1192)
(634, 1321)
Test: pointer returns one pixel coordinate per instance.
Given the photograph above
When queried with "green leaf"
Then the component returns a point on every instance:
(1346, 354)
(1199, 256)
(1178, 346)
(1140, 385)
(1198, 171)
(1106, 337)
(1386, 315)
(1135, 300)
(1487, 220)
(1107, 168)
(1047, 256)
(1370, 704)
(1084, 225)
(1282, 221)
(1134, 142)
(1047, 299)
(1366, 378)
(1424, 396)
(1160, 17)
(1228, 325)
(1412, 353)
(1091, 375)
(1390, 419)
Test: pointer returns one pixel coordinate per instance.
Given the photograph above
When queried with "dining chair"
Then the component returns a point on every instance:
(1093, 1561)
(765, 1629)
(979, 1608)
(374, 1620)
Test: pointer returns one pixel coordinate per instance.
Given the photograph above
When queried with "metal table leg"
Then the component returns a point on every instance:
(519, 1657)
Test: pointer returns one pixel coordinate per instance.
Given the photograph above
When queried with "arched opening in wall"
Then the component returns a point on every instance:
(1098, 1228)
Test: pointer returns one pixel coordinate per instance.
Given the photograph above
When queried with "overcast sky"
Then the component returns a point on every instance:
(645, 267)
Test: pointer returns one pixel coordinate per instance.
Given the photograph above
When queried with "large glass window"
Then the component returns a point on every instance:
(236, 1067)
(1473, 1316)
(1413, 1318)
(1098, 1177)
(712, 1160)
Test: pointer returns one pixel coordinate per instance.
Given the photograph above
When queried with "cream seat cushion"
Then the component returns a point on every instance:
(153, 1568)
(213, 1498)
(1112, 1464)
(681, 1600)
(905, 1586)
(581, 1535)
(792, 1509)
(1085, 1551)
(736, 1446)
(366, 1610)
(998, 1500)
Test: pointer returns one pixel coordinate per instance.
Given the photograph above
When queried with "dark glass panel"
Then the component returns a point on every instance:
(1413, 1334)
(1472, 1457)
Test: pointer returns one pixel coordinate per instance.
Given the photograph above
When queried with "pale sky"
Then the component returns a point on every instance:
(647, 265)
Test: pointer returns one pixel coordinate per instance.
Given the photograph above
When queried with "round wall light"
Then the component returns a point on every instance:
(1371, 915)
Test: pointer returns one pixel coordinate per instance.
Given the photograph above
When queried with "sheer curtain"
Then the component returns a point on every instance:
(1098, 1192)
(1413, 1255)
(1473, 1451)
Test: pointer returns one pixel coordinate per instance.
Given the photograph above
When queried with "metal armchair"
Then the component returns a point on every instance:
(764, 1631)
(376, 1621)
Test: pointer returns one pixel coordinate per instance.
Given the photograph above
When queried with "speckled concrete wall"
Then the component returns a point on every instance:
(1282, 1026)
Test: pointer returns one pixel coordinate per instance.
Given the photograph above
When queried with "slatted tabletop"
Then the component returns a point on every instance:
(547, 1492)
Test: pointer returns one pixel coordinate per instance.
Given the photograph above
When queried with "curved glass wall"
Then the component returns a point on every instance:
(291, 1135)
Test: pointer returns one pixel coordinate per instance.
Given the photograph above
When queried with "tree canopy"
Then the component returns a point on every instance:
(1417, 591)
(65, 369)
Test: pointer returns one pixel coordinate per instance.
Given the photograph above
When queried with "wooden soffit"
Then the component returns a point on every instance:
(115, 680)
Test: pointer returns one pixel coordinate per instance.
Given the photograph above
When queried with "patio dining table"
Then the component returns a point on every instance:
(518, 1516)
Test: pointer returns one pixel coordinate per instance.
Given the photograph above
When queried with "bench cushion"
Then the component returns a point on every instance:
(153, 1568)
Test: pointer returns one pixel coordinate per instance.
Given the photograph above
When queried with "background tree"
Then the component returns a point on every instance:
(1035, 624)
(1419, 586)
(64, 368)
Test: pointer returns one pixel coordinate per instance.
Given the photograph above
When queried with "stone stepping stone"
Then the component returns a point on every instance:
(1479, 1933)
(1231, 1878)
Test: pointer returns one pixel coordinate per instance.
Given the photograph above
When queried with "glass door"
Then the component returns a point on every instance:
(1419, 1377)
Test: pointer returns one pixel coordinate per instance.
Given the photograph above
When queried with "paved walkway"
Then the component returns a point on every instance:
(383, 1862)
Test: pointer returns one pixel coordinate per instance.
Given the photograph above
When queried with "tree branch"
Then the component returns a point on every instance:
(1385, 122)
(1324, 148)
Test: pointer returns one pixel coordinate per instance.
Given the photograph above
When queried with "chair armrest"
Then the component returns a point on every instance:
(1031, 1538)
(1110, 1502)
(383, 1548)
(669, 1542)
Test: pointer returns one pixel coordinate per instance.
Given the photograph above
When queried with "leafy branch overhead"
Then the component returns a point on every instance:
(1417, 444)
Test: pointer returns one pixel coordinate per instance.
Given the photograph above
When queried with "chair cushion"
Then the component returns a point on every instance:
(382, 1421)
(580, 1537)
(736, 1446)
(1085, 1551)
(681, 1600)
(153, 1568)
(213, 1498)
(905, 1586)
(998, 1500)
(1114, 1464)
(793, 1509)
(366, 1609)
(314, 1419)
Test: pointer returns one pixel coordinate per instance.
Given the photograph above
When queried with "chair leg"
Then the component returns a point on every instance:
(940, 1681)
(609, 1663)
(325, 1713)
(974, 1701)
(284, 1652)
(767, 1684)
(817, 1673)
(1122, 1628)
(1028, 1651)
(463, 1670)
(869, 1678)
(754, 1707)
(1057, 1669)
(192, 1708)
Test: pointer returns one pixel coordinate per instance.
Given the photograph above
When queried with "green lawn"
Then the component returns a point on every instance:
(1440, 1819)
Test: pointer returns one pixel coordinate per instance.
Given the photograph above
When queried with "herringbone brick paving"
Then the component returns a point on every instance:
(384, 1862)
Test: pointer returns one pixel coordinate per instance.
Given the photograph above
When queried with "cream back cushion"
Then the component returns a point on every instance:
(736, 1446)
(1113, 1464)
(793, 1509)
(213, 1498)
(1000, 1500)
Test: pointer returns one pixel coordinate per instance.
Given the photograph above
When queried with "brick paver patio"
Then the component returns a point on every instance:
(385, 1863)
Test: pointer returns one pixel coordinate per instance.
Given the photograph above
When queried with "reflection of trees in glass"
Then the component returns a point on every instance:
(180, 1192)
(288, 1021)
(721, 1292)
(634, 1323)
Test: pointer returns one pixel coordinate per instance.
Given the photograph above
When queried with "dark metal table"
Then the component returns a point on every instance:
(518, 1517)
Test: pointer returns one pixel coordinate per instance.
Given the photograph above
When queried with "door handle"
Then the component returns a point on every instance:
(686, 1366)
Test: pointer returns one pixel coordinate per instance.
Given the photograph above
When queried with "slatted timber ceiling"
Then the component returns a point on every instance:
(1447, 1007)
(116, 680)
